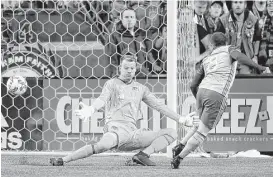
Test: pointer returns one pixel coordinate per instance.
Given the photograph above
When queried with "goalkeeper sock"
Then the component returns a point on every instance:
(192, 144)
(83, 152)
(159, 144)
(188, 135)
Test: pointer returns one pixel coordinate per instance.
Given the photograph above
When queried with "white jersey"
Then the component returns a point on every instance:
(220, 70)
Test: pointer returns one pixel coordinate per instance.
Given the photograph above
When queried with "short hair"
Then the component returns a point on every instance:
(245, 1)
(128, 8)
(128, 57)
(201, 2)
(218, 39)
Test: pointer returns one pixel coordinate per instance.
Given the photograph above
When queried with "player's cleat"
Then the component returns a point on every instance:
(56, 161)
(177, 149)
(143, 159)
(130, 162)
(176, 162)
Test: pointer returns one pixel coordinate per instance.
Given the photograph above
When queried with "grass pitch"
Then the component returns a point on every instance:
(114, 166)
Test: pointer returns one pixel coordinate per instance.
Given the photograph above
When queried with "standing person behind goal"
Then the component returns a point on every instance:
(121, 97)
(214, 78)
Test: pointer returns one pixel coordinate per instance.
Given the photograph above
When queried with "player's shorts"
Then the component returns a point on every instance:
(211, 105)
(129, 137)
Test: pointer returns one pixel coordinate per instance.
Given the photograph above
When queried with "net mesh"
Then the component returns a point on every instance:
(186, 58)
(67, 50)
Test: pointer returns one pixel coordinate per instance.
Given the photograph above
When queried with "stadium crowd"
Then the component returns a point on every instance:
(246, 24)
(139, 28)
(146, 38)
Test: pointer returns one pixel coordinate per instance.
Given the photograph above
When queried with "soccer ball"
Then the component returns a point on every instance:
(17, 85)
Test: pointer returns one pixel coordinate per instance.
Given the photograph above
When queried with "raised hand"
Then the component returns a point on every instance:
(84, 112)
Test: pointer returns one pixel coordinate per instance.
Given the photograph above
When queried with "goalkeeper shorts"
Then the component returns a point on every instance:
(211, 106)
(129, 137)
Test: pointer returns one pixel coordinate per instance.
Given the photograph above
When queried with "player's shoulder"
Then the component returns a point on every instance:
(110, 82)
(232, 48)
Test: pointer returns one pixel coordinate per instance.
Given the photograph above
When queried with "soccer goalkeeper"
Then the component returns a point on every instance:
(121, 97)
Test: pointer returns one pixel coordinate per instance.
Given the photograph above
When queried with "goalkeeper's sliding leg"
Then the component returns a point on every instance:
(123, 139)
(108, 141)
(150, 142)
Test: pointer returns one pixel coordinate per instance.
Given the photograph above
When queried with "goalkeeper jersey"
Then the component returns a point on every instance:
(122, 101)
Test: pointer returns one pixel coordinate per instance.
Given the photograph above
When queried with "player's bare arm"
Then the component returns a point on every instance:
(199, 75)
(204, 55)
(242, 58)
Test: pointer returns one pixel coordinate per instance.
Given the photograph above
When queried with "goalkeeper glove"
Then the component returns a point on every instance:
(190, 120)
(84, 112)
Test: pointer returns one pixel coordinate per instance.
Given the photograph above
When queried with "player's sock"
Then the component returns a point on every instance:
(188, 135)
(192, 144)
(159, 144)
(83, 152)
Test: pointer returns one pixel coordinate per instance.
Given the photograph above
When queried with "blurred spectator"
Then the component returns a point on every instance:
(259, 8)
(159, 52)
(9, 4)
(127, 37)
(153, 23)
(140, 8)
(225, 7)
(241, 28)
(215, 11)
(118, 7)
(200, 8)
(202, 35)
(5, 32)
(266, 45)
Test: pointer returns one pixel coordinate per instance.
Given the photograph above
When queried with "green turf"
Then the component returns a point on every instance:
(113, 166)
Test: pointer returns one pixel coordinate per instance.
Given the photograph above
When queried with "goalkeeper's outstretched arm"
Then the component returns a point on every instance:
(151, 100)
(104, 96)
(86, 111)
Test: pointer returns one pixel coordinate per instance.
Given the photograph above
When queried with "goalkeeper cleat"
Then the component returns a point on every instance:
(176, 162)
(143, 159)
(177, 149)
(56, 161)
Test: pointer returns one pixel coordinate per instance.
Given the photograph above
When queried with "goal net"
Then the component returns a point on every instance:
(186, 57)
(67, 50)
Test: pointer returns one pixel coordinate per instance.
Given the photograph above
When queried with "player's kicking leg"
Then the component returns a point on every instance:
(213, 106)
(151, 142)
(191, 117)
(108, 141)
(180, 146)
(194, 141)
